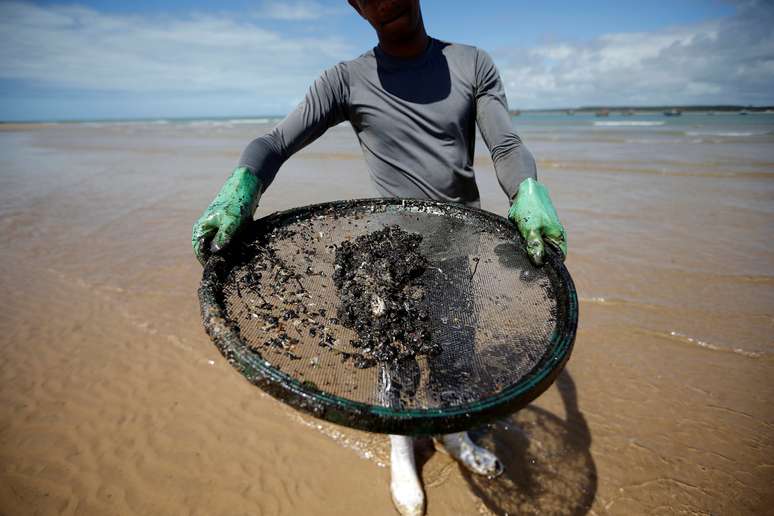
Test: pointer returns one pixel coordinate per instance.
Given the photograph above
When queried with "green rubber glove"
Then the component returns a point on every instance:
(233, 206)
(535, 216)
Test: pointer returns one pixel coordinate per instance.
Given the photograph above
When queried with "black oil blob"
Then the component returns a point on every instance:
(381, 294)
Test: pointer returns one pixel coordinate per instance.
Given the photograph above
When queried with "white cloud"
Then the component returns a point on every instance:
(728, 61)
(84, 60)
(83, 49)
(302, 10)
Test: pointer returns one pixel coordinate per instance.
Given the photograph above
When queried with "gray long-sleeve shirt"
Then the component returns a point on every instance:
(415, 120)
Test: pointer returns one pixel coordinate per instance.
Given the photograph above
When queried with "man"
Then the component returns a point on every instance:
(414, 103)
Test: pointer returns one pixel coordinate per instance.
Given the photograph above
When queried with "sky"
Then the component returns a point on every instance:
(89, 59)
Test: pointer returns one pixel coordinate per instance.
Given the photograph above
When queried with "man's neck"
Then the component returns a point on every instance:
(408, 48)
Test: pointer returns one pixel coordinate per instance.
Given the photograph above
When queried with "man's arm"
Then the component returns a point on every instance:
(513, 162)
(324, 106)
(531, 208)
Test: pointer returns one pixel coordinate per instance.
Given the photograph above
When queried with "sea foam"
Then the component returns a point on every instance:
(729, 134)
(628, 123)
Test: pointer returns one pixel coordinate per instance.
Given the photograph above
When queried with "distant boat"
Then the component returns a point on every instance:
(673, 112)
(602, 112)
(569, 112)
(627, 112)
(744, 112)
(515, 112)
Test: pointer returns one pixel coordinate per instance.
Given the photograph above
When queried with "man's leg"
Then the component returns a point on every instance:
(475, 458)
(402, 378)
(405, 487)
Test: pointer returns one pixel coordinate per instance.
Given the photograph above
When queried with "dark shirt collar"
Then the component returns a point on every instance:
(393, 62)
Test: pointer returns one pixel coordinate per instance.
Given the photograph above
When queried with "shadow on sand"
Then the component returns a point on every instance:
(548, 465)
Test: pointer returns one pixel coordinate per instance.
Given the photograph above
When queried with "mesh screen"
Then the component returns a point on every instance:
(492, 312)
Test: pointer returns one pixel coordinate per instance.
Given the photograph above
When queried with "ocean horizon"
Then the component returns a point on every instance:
(613, 113)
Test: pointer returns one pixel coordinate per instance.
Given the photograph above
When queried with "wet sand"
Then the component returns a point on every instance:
(114, 401)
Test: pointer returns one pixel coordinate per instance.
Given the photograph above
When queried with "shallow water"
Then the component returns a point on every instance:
(114, 401)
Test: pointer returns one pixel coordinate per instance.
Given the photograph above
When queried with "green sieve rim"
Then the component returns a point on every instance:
(335, 409)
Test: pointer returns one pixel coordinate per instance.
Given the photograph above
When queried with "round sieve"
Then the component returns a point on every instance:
(505, 328)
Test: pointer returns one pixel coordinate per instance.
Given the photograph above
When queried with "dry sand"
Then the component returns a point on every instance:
(114, 401)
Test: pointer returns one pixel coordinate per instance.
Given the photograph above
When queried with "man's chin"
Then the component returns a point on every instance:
(398, 18)
(399, 29)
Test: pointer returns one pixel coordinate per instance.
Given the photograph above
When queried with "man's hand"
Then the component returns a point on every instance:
(233, 206)
(535, 216)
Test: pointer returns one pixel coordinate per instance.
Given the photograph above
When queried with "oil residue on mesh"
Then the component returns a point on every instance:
(378, 276)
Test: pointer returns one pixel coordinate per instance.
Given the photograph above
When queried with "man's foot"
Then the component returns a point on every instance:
(405, 487)
(475, 458)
